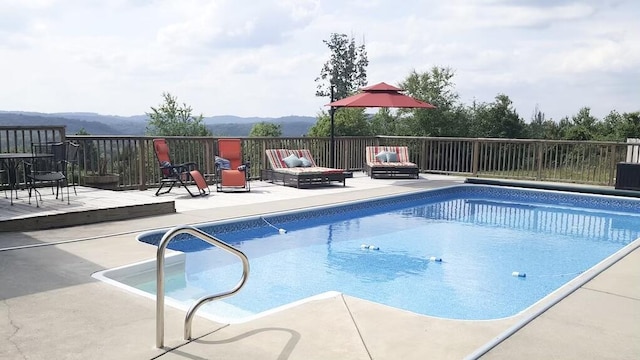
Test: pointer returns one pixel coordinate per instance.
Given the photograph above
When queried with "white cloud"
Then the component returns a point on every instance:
(597, 54)
(509, 15)
(253, 58)
(211, 25)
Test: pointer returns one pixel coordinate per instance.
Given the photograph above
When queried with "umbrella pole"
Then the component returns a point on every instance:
(332, 145)
(333, 139)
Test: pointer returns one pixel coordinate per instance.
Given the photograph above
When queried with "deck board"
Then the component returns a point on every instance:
(88, 206)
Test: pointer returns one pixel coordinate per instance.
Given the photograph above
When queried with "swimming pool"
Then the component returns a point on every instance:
(482, 234)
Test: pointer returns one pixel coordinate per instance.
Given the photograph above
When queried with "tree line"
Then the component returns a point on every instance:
(345, 72)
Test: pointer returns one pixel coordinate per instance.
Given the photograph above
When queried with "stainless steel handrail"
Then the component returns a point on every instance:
(168, 236)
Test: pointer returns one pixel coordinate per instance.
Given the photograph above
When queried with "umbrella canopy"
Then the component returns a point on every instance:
(381, 95)
(378, 95)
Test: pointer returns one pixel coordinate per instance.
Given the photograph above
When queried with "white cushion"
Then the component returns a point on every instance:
(305, 162)
(292, 161)
(382, 156)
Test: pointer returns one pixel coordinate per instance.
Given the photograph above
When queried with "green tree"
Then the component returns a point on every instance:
(541, 128)
(346, 70)
(619, 127)
(171, 119)
(347, 122)
(498, 120)
(582, 126)
(266, 129)
(437, 88)
(384, 122)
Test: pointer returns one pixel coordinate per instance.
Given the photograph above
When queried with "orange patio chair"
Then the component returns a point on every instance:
(231, 172)
(177, 173)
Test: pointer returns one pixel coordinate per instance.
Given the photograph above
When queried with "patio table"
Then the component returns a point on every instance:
(10, 162)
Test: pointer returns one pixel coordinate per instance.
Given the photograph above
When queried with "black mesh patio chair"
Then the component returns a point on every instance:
(49, 166)
(4, 184)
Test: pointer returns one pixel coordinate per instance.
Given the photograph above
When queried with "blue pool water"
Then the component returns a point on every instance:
(482, 234)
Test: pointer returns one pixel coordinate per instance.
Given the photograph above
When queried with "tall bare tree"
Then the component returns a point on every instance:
(346, 69)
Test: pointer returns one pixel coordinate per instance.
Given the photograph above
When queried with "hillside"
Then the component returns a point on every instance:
(96, 124)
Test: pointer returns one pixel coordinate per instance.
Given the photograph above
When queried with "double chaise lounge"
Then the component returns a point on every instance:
(389, 162)
(297, 168)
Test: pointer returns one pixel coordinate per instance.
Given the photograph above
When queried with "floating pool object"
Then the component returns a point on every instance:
(282, 231)
(373, 247)
(436, 259)
(518, 274)
(364, 246)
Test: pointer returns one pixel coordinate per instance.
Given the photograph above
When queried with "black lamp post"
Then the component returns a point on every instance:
(332, 149)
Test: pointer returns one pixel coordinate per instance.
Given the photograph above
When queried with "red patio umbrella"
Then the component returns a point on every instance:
(381, 95)
(378, 95)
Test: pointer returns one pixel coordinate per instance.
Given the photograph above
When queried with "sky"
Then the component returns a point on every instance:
(261, 58)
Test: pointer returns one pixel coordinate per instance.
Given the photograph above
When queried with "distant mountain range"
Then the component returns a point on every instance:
(96, 124)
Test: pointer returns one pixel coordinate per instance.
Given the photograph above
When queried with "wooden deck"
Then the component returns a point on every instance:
(89, 206)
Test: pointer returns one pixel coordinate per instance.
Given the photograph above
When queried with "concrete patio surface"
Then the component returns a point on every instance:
(601, 320)
(51, 307)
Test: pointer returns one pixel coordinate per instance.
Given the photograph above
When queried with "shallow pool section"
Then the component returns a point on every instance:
(464, 252)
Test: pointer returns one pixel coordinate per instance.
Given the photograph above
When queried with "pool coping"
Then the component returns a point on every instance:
(586, 189)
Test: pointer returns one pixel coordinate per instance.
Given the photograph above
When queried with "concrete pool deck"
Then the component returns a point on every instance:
(51, 307)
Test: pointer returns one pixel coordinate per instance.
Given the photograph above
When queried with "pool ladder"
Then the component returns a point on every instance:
(168, 236)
